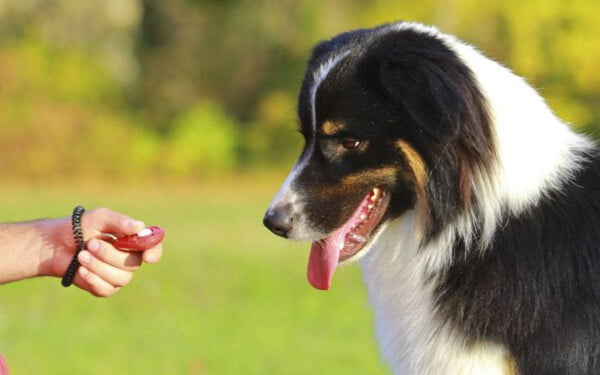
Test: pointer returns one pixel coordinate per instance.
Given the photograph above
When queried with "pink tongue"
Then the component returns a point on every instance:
(325, 254)
(322, 263)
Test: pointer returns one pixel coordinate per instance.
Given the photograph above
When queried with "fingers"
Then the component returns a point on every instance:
(87, 280)
(104, 269)
(108, 254)
(112, 275)
(104, 220)
(153, 255)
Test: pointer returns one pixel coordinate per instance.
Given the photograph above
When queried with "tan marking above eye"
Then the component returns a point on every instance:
(331, 128)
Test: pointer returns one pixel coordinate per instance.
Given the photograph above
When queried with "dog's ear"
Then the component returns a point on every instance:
(427, 82)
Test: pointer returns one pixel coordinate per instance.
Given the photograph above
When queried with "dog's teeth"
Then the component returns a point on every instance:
(358, 238)
(370, 207)
(376, 194)
(341, 246)
(363, 217)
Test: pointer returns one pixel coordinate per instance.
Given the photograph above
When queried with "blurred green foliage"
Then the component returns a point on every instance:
(189, 88)
(203, 138)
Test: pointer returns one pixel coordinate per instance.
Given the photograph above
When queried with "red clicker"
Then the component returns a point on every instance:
(143, 240)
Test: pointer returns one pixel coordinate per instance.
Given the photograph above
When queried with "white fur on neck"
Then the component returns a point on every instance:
(411, 336)
(537, 153)
(535, 149)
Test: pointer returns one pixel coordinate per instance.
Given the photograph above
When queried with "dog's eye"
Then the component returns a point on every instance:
(351, 143)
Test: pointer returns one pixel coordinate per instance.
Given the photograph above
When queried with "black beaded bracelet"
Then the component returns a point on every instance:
(79, 245)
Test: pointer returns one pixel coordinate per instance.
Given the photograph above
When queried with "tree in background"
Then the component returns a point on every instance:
(109, 87)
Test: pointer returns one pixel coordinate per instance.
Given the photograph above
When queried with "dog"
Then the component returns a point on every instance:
(473, 210)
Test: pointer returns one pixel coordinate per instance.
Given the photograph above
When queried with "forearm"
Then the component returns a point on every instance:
(27, 249)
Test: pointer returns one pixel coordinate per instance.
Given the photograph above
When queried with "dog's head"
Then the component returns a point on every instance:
(393, 121)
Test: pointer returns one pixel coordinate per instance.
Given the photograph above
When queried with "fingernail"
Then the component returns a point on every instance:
(93, 246)
(149, 258)
(84, 257)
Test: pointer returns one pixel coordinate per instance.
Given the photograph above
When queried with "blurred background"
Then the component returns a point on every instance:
(182, 113)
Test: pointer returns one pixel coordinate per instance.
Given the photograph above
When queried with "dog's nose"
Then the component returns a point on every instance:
(279, 220)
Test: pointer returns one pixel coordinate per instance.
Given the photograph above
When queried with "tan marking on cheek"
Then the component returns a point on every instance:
(331, 128)
(510, 366)
(372, 177)
(359, 181)
(465, 184)
(416, 164)
(419, 177)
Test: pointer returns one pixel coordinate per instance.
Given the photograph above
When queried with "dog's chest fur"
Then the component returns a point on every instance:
(411, 335)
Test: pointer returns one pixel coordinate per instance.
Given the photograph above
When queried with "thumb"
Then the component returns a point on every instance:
(104, 220)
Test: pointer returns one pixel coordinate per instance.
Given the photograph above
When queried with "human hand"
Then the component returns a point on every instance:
(104, 269)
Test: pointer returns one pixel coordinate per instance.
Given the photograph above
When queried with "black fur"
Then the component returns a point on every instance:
(437, 107)
(535, 290)
(391, 86)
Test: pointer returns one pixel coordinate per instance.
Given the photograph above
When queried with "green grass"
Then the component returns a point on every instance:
(227, 298)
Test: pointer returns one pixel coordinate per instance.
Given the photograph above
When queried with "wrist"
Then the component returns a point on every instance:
(57, 243)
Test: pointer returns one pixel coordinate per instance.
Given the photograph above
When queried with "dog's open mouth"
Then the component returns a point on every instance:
(346, 241)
